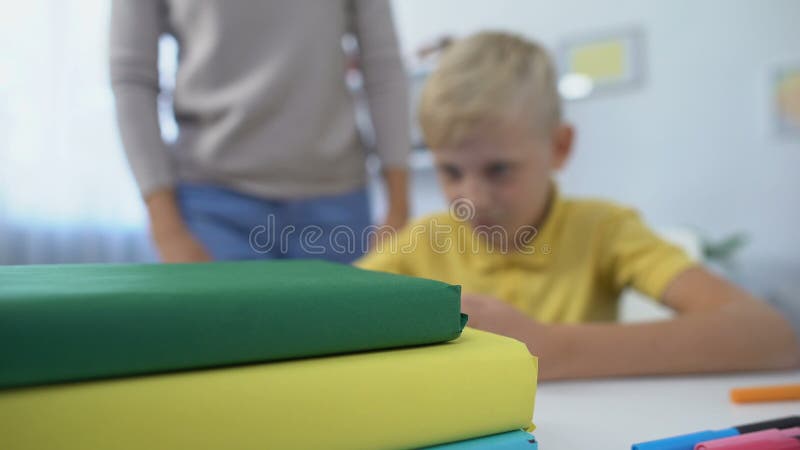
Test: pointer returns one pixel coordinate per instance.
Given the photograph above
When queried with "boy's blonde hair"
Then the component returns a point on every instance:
(486, 77)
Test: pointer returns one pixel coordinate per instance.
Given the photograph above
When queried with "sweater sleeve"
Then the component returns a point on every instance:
(136, 26)
(385, 79)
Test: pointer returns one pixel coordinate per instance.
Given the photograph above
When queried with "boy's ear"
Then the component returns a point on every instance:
(563, 137)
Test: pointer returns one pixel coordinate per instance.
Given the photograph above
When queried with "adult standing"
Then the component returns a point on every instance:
(267, 131)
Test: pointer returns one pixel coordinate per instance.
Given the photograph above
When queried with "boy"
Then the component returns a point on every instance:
(536, 266)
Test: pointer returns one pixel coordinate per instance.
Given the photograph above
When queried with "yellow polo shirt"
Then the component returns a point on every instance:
(572, 271)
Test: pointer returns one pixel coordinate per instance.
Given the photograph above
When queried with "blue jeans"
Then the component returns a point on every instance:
(236, 226)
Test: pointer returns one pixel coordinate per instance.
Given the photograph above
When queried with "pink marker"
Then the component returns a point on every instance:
(759, 440)
(792, 443)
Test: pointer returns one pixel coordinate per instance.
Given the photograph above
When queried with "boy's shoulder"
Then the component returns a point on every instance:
(592, 211)
(588, 210)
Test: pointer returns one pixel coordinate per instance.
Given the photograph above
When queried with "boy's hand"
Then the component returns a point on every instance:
(490, 314)
(493, 315)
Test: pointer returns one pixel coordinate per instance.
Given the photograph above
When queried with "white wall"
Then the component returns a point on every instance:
(692, 146)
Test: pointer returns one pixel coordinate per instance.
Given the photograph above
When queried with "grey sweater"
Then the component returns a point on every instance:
(260, 97)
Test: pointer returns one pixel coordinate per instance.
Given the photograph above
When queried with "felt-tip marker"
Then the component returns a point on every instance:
(688, 441)
(754, 440)
(792, 443)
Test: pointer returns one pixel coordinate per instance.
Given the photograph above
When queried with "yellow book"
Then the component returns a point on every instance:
(477, 385)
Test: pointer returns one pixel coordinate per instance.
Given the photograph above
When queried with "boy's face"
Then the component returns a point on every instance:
(504, 169)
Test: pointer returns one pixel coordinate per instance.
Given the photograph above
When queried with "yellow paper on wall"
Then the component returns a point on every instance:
(605, 60)
(477, 385)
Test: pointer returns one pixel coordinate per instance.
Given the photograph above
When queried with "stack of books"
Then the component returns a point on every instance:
(251, 355)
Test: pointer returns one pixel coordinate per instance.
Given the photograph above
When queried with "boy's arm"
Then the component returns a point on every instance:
(720, 328)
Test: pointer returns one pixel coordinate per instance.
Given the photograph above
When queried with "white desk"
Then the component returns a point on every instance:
(614, 414)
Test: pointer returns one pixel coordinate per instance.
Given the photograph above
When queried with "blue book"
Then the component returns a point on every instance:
(512, 440)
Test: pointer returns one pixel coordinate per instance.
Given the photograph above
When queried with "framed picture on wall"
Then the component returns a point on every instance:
(785, 98)
(601, 62)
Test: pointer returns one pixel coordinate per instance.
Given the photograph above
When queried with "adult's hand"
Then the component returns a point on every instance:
(180, 247)
(173, 240)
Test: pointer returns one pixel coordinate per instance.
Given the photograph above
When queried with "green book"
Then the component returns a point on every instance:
(76, 322)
